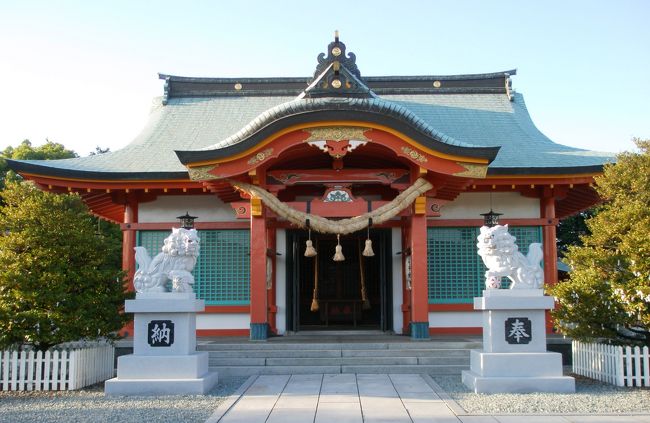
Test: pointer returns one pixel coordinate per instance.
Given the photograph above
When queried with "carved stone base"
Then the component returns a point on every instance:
(164, 359)
(514, 356)
(494, 385)
(145, 387)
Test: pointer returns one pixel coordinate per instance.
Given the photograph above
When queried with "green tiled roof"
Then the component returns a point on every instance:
(465, 119)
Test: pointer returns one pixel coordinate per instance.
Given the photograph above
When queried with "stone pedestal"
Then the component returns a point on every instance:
(164, 359)
(514, 356)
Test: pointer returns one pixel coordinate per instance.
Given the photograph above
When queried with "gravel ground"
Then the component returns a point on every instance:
(91, 405)
(591, 397)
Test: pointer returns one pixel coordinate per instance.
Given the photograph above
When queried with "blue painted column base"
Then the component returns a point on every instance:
(419, 330)
(259, 331)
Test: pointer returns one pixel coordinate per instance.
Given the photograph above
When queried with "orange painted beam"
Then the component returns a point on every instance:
(479, 222)
(301, 176)
(197, 225)
(286, 225)
(222, 332)
(227, 309)
(337, 208)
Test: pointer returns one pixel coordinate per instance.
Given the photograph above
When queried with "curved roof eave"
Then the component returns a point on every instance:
(369, 110)
(41, 169)
(521, 171)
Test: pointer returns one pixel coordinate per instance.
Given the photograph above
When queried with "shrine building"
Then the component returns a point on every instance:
(269, 165)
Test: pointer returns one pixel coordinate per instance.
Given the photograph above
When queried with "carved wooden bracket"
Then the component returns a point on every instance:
(242, 209)
(337, 149)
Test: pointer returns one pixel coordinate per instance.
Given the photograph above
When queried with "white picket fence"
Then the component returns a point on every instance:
(621, 366)
(67, 369)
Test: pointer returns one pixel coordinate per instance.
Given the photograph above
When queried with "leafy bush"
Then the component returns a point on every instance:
(59, 281)
(608, 293)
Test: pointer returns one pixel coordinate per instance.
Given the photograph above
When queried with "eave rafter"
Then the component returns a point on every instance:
(582, 197)
(572, 193)
(223, 190)
(106, 199)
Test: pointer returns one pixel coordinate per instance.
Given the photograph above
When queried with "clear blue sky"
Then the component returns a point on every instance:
(83, 73)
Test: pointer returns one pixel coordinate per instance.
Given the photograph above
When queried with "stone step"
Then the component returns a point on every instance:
(272, 370)
(379, 361)
(337, 361)
(237, 361)
(417, 369)
(429, 369)
(268, 346)
(446, 361)
(284, 357)
(338, 353)
(408, 353)
(276, 353)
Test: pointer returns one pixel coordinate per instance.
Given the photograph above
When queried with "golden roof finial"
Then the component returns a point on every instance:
(336, 35)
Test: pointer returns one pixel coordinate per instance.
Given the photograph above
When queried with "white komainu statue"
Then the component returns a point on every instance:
(179, 253)
(501, 256)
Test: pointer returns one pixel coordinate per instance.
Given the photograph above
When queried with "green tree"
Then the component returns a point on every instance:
(54, 151)
(608, 293)
(57, 279)
(571, 229)
(26, 151)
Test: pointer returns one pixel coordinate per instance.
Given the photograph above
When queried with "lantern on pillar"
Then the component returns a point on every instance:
(186, 221)
(491, 218)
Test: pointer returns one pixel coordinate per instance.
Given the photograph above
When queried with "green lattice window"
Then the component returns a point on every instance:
(222, 272)
(456, 272)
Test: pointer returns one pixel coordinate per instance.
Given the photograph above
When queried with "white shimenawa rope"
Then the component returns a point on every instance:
(343, 226)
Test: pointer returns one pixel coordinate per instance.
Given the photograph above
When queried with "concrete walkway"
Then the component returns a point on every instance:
(361, 398)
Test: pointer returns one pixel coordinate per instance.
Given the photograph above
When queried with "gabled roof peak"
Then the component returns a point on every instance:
(336, 53)
(336, 75)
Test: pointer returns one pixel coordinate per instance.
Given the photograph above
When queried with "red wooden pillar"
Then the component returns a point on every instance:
(419, 273)
(271, 293)
(549, 235)
(406, 293)
(128, 241)
(128, 254)
(258, 298)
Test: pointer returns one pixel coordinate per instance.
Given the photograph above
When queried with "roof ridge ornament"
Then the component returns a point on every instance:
(337, 75)
(336, 54)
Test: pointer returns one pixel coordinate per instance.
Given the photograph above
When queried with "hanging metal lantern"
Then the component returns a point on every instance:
(187, 221)
(491, 218)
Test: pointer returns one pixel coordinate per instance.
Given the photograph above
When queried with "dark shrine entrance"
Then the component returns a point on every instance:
(340, 301)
